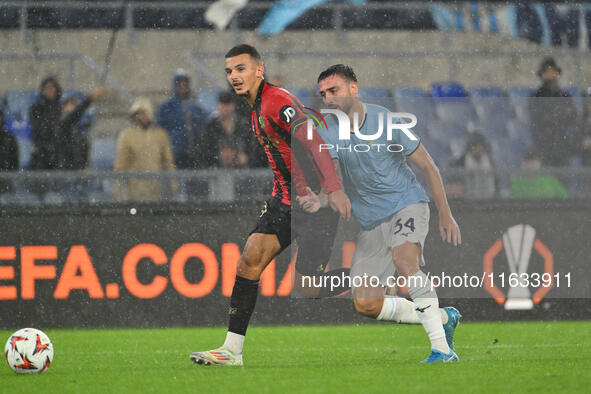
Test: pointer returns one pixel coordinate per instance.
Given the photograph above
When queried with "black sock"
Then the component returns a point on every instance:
(343, 281)
(242, 302)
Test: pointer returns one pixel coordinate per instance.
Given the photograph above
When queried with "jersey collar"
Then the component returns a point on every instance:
(258, 99)
(364, 116)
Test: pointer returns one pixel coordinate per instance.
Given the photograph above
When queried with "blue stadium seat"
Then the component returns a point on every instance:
(455, 110)
(486, 92)
(72, 93)
(519, 132)
(518, 96)
(521, 91)
(19, 102)
(443, 132)
(102, 153)
(440, 152)
(508, 149)
(448, 90)
(409, 92)
(573, 91)
(417, 102)
(375, 93)
(25, 148)
(491, 109)
(17, 112)
(493, 127)
(208, 99)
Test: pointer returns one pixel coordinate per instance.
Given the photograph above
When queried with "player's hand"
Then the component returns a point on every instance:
(449, 229)
(310, 202)
(339, 202)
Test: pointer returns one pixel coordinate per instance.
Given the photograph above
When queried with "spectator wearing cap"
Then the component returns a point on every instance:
(223, 142)
(143, 146)
(8, 154)
(552, 115)
(182, 118)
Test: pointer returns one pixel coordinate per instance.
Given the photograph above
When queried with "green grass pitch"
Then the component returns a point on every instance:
(495, 357)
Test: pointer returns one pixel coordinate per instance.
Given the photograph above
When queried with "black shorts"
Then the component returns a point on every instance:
(275, 218)
(314, 233)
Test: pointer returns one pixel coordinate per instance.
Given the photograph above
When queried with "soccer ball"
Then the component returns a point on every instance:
(28, 351)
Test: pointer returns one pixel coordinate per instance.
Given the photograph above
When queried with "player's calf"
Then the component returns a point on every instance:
(370, 307)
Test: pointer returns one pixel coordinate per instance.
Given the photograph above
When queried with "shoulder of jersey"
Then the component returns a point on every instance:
(278, 102)
(374, 108)
(274, 96)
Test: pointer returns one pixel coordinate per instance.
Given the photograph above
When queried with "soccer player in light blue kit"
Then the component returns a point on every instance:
(392, 208)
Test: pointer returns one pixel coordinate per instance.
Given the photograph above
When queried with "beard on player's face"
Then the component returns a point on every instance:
(341, 103)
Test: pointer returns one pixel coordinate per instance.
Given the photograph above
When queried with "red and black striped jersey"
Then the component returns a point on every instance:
(277, 117)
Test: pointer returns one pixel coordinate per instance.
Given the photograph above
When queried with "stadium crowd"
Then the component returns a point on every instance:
(180, 134)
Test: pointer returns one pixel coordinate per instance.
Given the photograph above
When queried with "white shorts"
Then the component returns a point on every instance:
(373, 252)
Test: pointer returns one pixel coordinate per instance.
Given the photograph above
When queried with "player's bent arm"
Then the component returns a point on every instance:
(322, 196)
(321, 157)
(337, 199)
(447, 225)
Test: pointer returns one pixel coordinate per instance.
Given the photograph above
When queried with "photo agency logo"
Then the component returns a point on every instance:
(388, 122)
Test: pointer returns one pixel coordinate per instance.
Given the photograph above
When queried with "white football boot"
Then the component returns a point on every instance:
(220, 356)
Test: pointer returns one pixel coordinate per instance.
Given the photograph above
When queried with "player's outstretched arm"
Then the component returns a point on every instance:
(448, 228)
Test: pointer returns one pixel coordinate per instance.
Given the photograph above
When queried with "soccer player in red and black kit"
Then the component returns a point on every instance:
(279, 123)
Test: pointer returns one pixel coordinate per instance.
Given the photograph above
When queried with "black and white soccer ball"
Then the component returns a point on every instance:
(28, 351)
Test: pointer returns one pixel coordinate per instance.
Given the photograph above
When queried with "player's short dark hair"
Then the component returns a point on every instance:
(341, 70)
(242, 49)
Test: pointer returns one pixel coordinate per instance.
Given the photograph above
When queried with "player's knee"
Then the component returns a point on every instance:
(250, 266)
(369, 307)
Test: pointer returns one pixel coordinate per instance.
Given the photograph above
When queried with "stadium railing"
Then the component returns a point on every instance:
(237, 185)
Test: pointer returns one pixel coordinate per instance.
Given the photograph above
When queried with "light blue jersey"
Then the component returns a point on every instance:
(378, 180)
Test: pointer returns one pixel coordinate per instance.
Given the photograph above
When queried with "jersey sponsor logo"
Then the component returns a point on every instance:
(287, 113)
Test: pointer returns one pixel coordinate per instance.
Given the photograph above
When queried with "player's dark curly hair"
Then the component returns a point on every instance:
(242, 49)
(339, 69)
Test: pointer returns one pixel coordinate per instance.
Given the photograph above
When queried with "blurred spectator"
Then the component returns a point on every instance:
(480, 181)
(536, 186)
(582, 138)
(143, 147)
(45, 115)
(74, 145)
(563, 20)
(8, 154)
(551, 119)
(223, 141)
(182, 118)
